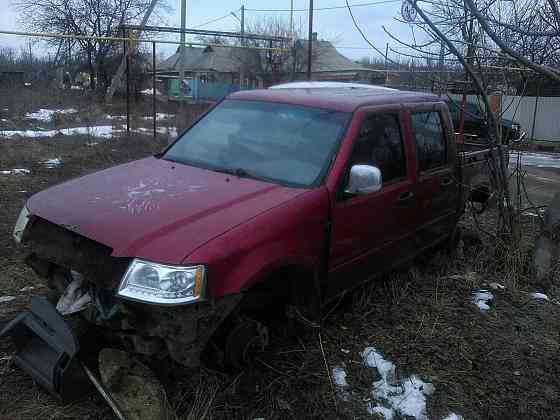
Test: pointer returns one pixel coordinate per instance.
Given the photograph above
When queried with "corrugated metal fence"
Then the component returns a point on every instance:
(538, 116)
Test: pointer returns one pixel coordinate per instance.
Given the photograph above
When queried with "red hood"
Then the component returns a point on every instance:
(156, 209)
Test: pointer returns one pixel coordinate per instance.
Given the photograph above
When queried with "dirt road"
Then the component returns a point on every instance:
(543, 175)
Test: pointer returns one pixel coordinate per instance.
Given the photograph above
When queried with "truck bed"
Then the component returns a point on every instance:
(474, 168)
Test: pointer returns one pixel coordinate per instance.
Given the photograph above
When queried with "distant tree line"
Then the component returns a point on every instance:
(99, 18)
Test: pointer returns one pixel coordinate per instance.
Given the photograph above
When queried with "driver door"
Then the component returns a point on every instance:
(369, 231)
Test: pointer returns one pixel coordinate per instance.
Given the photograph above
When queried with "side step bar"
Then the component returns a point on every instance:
(47, 350)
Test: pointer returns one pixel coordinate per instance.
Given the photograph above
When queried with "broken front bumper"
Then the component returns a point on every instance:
(47, 349)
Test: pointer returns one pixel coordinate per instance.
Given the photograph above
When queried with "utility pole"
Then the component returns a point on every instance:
(243, 53)
(441, 68)
(386, 64)
(310, 46)
(182, 49)
(117, 78)
(292, 21)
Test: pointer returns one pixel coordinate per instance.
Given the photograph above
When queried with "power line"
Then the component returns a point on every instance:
(364, 36)
(318, 9)
(214, 20)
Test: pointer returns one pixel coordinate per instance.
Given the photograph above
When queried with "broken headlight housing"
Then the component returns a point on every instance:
(163, 284)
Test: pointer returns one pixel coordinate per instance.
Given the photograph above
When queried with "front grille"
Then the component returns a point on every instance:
(72, 251)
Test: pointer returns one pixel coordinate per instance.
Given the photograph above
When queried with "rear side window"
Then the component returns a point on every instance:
(380, 144)
(430, 140)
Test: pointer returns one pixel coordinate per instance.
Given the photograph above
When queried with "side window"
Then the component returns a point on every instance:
(431, 146)
(380, 144)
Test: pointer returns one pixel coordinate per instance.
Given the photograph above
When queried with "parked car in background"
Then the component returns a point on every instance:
(475, 125)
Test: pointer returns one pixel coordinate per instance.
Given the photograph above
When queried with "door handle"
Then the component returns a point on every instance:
(405, 197)
(446, 182)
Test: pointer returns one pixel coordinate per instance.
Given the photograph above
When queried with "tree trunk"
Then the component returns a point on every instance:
(91, 71)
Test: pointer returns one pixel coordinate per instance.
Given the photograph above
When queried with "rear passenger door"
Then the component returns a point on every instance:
(437, 188)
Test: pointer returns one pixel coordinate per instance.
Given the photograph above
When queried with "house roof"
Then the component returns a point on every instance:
(326, 58)
(214, 58)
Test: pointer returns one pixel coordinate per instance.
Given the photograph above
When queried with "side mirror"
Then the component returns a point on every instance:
(364, 179)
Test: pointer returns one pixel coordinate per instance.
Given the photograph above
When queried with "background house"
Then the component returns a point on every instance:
(329, 64)
(211, 72)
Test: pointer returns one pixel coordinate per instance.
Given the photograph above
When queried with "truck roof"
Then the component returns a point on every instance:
(345, 99)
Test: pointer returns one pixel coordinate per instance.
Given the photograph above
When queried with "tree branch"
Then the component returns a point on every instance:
(544, 70)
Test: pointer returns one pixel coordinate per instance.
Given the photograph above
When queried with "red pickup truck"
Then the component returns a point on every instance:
(275, 198)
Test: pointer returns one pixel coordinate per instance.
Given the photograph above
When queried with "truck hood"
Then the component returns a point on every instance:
(156, 209)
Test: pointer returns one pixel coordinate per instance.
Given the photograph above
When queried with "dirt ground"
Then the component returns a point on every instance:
(500, 363)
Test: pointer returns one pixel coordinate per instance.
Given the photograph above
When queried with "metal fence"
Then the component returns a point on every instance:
(47, 97)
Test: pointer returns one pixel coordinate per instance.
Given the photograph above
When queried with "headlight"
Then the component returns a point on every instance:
(21, 224)
(163, 284)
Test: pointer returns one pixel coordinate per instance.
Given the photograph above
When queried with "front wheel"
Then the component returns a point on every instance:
(247, 338)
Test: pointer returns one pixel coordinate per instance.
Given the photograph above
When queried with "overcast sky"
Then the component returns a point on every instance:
(333, 25)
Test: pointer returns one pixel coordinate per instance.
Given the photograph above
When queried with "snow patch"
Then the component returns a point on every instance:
(149, 92)
(99, 131)
(481, 298)
(47, 114)
(171, 131)
(406, 397)
(102, 131)
(453, 416)
(160, 116)
(538, 295)
(52, 163)
(387, 413)
(5, 299)
(17, 171)
(339, 377)
(539, 160)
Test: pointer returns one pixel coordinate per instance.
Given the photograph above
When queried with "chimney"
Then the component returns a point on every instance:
(314, 36)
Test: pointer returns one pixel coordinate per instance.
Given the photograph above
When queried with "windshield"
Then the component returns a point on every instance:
(281, 143)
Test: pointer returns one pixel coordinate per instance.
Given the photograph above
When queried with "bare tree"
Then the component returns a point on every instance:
(489, 39)
(95, 18)
(284, 58)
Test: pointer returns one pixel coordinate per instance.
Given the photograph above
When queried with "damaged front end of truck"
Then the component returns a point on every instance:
(97, 300)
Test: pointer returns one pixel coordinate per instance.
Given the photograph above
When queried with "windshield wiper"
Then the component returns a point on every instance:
(240, 173)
